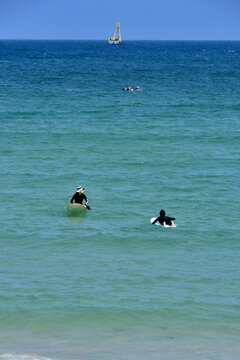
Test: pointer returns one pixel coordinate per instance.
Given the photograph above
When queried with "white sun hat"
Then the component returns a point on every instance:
(80, 189)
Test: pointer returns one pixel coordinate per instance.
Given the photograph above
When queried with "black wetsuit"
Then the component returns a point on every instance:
(78, 198)
(168, 220)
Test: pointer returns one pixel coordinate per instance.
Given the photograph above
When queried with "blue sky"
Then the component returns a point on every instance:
(140, 20)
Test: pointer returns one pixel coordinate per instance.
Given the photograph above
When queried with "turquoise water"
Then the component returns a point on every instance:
(110, 285)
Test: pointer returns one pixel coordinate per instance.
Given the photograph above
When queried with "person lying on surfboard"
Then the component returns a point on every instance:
(79, 196)
(164, 220)
(128, 88)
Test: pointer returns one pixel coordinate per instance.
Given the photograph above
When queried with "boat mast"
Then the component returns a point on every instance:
(117, 29)
(116, 39)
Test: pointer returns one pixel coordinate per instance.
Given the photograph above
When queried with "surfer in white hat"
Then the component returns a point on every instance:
(79, 196)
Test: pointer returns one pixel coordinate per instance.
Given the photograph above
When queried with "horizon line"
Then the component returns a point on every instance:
(127, 40)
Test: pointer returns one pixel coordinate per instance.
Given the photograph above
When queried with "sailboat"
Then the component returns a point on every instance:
(116, 39)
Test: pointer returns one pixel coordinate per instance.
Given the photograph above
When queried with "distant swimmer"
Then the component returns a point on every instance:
(79, 196)
(164, 220)
(137, 88)
(128, 88)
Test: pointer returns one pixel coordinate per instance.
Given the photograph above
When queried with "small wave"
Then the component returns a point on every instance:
(13, 356)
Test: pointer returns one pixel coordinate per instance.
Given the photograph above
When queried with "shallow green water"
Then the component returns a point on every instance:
(110, 285)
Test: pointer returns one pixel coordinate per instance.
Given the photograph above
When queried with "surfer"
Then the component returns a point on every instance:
(79, 196)
(128, 88)
(164, 220)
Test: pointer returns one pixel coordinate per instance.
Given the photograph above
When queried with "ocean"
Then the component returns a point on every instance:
(109, 285)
